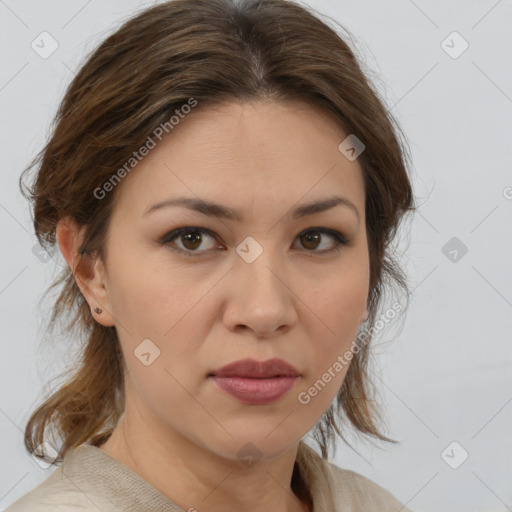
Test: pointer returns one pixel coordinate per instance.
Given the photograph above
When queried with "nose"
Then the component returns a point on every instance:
(261, 297)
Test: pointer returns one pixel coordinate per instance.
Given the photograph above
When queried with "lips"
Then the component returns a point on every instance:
(252, 369)
(256, 383)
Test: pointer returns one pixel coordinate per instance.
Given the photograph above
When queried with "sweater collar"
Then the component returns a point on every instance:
(92, 470)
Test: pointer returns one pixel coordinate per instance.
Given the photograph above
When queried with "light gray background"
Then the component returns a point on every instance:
(448, 374)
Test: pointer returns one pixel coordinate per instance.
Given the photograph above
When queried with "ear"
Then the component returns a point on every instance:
(88, 270)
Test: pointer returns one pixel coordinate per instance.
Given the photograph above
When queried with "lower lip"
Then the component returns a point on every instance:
(255, 391)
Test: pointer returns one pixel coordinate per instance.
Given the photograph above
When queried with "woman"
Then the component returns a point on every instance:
(223, 183)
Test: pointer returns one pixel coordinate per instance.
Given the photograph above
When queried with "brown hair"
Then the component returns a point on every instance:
(213, 51)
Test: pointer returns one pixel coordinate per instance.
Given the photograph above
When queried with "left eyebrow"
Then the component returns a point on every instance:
(220, 211)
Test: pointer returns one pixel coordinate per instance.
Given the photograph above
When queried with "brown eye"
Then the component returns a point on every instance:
(190, 239)
(312, 239)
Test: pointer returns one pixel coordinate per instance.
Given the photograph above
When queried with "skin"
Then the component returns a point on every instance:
(180, 432)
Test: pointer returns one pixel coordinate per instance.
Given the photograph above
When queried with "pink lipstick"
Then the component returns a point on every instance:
(256, 383)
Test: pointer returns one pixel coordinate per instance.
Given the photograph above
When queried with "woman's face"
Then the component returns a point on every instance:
(269, 284)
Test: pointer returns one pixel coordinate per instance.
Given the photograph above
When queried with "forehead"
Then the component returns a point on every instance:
(245, 154)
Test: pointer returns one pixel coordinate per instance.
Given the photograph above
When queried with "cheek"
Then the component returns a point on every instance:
(149, 295)
(160, 391)
(163, 315)
(337, 306)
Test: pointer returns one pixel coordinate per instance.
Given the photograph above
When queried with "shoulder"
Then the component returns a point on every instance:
(343, 489)
(356, 490)
(88, 479)
(57, 493)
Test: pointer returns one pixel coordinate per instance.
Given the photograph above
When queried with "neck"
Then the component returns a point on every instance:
(193, 477)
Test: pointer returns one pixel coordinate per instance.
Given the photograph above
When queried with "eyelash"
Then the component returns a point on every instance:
(340, 240)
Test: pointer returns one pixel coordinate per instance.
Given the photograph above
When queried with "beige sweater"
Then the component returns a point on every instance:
(91, 480)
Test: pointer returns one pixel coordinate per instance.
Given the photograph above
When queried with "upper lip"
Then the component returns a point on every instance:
(251, 368)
